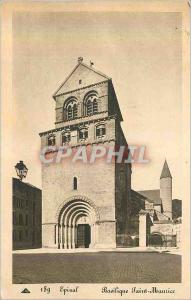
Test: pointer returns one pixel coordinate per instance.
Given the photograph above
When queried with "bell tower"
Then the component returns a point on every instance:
(87, 114)
(166, 190)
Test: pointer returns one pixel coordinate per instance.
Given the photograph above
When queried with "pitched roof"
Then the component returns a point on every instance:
(21, 183)
(83, 72)
(137, 195)
(165, 171)
(152, 196)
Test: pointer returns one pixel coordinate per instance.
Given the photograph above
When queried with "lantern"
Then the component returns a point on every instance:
(21, 170)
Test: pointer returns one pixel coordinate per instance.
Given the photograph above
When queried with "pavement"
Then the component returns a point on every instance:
(169, 250)
(96, 267)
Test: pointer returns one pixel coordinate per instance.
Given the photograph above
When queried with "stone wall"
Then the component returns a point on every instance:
(95, 182)
(107, 185)
(75, 141)
(122, 189)
(168, 229)
(27, 220)
(102, 91)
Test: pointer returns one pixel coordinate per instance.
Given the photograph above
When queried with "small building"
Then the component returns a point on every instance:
(27, 210)
(164, 214)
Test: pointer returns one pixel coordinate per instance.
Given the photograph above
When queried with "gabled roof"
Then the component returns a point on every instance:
(165, 171)
(152, 196)
(88, 76)
(137, 195)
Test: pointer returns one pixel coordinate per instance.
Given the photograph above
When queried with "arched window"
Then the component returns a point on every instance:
(75, 111)
(51, 140)
(70, 109)
(83, 134)
(89, 108)
(66, 137)
(95, 106)
(75, 183)
(69, 113)
(91, 103)
(100, 131)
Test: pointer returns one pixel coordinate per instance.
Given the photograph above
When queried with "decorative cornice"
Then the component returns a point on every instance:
(83, 144)
(81, 117)
(73, 126)
(82, 88)
(106, 221)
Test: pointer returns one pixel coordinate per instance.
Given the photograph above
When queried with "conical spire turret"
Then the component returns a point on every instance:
(165, 171)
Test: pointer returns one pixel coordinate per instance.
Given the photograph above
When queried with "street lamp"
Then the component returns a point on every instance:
(21, 170)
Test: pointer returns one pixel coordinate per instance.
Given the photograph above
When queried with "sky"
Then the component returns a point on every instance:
(141, 52)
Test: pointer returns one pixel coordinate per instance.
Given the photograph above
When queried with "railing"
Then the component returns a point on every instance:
(153, 240)
(158, 240)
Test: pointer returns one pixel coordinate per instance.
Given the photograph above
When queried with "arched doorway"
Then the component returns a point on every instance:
(77, 225)
(155, 239)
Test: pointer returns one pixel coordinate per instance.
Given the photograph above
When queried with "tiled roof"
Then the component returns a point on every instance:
(152, 196)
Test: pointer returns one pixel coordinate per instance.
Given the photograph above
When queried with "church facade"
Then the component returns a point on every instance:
(85, 204)
(90, 204)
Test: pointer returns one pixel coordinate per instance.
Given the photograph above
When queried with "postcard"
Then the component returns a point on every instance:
(95, 185)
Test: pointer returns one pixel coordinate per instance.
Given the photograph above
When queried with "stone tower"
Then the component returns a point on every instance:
(85, 204)
(166, 190)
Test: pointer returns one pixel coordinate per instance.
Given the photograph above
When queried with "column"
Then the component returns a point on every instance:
(65, 237)
(76, 236)
(69, 237)
(56, 237)
(61, 236)
(96, 228)
(92, 235)
(73, 236)
(142, 228)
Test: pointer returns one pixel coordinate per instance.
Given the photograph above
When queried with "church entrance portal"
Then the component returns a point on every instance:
(77, 225)
(83, 236)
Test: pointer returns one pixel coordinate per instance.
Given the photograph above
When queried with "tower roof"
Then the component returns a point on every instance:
(165, 171)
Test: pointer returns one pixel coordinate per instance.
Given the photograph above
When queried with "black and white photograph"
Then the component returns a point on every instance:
(97, 194)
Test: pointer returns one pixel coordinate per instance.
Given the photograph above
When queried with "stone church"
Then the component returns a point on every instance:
(85, 205)
(154, 217)
(92, 205)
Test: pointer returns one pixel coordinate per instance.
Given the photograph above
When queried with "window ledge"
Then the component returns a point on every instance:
(100, 137)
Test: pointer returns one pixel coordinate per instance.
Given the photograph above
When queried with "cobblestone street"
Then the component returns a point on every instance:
(102, 267)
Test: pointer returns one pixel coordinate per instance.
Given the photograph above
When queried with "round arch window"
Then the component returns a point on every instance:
(91, 104)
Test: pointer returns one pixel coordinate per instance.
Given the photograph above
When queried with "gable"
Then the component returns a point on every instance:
(80, 77)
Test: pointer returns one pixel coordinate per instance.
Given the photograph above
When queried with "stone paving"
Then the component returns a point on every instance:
(97, 267)
(172, 250)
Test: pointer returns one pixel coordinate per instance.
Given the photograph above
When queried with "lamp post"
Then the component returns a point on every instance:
(21, 170)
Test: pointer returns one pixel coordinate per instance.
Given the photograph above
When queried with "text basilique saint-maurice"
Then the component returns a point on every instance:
(137, 290)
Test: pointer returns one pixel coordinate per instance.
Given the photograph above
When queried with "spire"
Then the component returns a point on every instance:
(165, 171)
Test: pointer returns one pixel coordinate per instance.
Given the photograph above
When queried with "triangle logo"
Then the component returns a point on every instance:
(25, 291)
